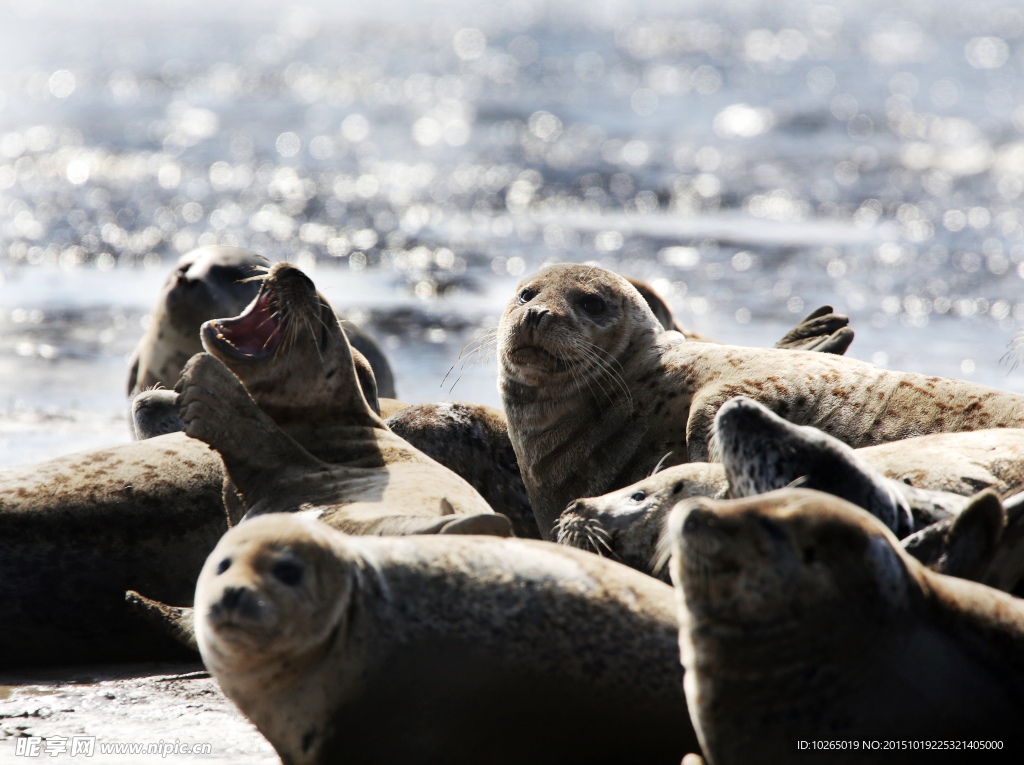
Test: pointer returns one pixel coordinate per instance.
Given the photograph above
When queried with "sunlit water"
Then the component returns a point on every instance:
(752, 160)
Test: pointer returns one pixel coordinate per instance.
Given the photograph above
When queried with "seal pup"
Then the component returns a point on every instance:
(626, 524)
(472, 649)
(821, 330)
(309, 440)
(79, 530)
(208, 283)
(595, 393)
(801, 619)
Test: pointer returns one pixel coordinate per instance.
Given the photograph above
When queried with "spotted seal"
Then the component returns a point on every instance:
(79, 530)
(595, 394)
(206, 284)
(801, 619)
(474, 649)
(759, 452)
(309, 440)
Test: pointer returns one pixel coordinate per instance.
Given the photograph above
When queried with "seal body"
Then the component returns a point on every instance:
(472, 441)
(77, 531)
(471, 649)
(595, 393)
(280, 399)
(801, 619)
(209, 283)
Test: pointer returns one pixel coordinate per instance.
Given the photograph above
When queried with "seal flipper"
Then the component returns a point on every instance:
(973, 537)
(171, 620)
(155, 413)
(1006, 571)
(489, 524)
(821, 330)
(966, 545)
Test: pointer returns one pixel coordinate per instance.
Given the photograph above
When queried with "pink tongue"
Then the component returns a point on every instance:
(255, 331)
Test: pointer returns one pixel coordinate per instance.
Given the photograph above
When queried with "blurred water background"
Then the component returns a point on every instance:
(752, 160)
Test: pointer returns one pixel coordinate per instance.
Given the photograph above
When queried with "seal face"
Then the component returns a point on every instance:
(801, 619)
(331, 643)
(595, 394)
(626, 525)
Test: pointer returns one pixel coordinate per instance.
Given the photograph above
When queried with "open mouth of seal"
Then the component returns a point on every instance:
(253, 335)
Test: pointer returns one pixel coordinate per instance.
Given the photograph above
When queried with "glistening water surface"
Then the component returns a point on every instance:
(752, 160)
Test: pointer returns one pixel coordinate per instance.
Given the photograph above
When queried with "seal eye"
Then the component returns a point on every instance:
(592, 304)
(639, 496)
(527, 295)
(289, 572)
(223, 566)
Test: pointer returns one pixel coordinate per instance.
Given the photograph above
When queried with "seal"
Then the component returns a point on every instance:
(475, 649)
(759, 452)
(821, 330)
(595, 393)
(209, 283)
(472, 441)
(79, 530)
(281, 376)
(626, 525)
(801, 619)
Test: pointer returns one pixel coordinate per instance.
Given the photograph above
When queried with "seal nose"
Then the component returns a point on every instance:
(536, 317)
(697, 520)
(235, 602)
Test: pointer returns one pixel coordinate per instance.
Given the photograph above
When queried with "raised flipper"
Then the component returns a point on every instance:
(821, 330)
(172, 620)
(965, 545)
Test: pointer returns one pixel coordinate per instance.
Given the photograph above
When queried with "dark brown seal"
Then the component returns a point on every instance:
(801, 619)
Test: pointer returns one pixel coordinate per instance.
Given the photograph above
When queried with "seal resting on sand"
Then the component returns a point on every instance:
(440, 649)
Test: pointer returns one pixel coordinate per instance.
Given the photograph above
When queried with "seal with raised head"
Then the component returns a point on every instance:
(595, 393)
(310, 440)
(440, 649)
(801, 619)
(206, 284)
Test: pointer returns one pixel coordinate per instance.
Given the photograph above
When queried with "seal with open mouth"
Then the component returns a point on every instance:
(206, 284)
(300, 434)
(801, 619)
(440, 649)
(596, 394)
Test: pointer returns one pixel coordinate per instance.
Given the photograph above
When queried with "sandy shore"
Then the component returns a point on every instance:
(128, 704)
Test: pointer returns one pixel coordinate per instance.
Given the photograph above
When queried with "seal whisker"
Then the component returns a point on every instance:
(661, 462)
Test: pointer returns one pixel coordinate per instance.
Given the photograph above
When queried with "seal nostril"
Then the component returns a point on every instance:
(232, 597)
